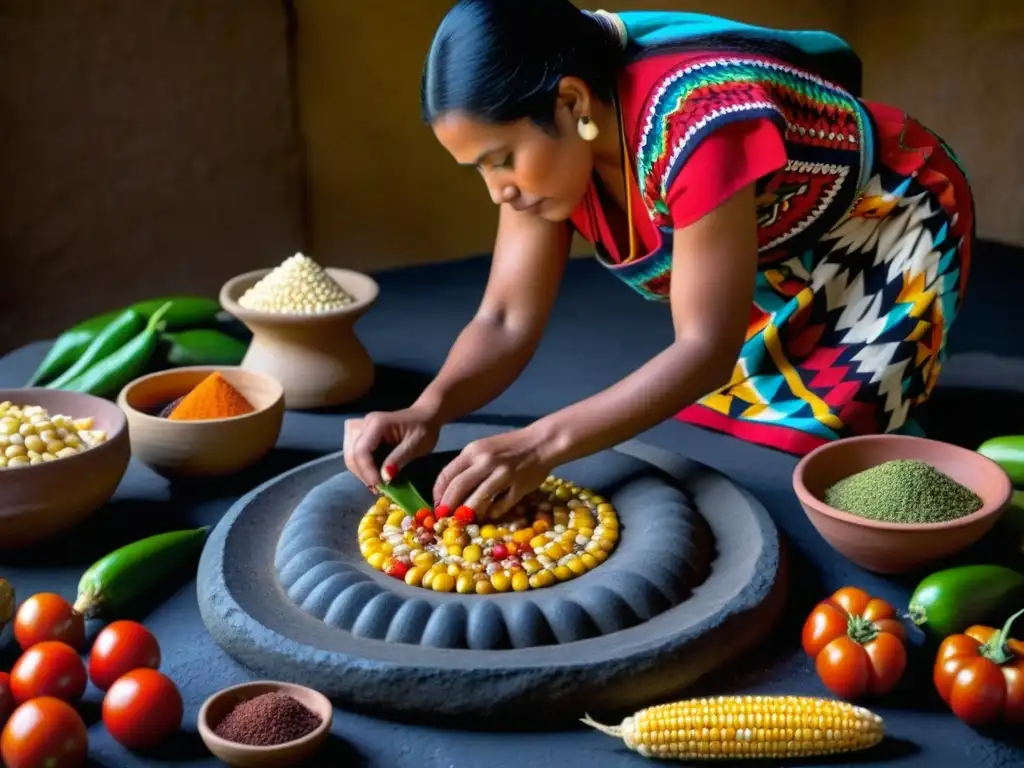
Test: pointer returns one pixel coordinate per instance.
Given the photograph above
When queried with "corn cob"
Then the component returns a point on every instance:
(745, 727)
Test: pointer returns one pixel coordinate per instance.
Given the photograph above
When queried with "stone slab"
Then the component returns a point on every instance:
(249, 613)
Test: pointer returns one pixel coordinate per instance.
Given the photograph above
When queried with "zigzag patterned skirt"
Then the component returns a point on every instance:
(848, 334)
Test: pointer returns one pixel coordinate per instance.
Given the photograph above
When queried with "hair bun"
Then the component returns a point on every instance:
(612, 26)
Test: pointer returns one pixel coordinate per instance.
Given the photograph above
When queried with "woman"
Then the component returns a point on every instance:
(813, 248)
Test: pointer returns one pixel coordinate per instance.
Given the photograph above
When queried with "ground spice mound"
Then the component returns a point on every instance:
(299, 286)
(213, 398)
(903, 491)
(268, 720)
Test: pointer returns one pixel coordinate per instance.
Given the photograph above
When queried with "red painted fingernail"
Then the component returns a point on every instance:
(391, 472)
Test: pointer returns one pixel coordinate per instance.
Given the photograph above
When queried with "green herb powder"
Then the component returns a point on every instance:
(903, 491)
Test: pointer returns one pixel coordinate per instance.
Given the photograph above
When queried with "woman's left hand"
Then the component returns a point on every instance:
(493, 474)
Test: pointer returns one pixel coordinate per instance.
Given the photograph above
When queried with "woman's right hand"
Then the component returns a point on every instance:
(412, 432)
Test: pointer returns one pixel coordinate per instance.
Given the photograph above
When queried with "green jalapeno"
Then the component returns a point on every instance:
(121, 330)
(68, 347)
(185, 311)
(203, 346)
(108, 376)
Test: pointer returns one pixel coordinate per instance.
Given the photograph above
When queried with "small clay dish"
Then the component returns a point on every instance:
(317, 357)
(892, 548)
(180, 450)
(220, 704)
(43, 500)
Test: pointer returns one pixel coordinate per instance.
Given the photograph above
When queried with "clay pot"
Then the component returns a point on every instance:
(893, 548)
(218, 706)
(40, 501)
(179, 450)
(317, 358)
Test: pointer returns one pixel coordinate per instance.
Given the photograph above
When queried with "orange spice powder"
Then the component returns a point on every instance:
(213, 398)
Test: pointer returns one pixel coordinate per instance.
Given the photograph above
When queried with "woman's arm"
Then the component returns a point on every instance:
(713, 272)
(493, 349)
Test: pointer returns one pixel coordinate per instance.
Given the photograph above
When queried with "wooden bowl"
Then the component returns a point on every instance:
(317, 358)
(40, 501)
(201, 449)
(892, 548)
(217, 707)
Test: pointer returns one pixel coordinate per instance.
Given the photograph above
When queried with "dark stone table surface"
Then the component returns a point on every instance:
(599, 332)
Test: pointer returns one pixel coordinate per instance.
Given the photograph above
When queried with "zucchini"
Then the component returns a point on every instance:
(949, 601)
(1007, 452)
(116, 581)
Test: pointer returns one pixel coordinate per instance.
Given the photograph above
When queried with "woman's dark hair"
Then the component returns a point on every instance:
(502, 60)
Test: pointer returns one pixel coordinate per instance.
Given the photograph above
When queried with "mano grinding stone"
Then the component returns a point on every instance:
(696, 579)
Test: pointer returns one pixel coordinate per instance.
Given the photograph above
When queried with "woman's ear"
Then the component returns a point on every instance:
(574, 95)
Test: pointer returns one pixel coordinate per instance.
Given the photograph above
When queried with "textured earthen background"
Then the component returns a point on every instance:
(166, 145)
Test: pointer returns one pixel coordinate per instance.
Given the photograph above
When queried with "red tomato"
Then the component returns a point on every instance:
(7, 703)
(47, 616)
(980, 675)
(857, 643)
(119, 648)
(48, 669)
(44, 732)
(142, 708)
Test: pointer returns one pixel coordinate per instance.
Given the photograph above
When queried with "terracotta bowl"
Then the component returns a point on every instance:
(217, 707)
(317, 358)
(201, 449)
(40, 501)
(893, 548)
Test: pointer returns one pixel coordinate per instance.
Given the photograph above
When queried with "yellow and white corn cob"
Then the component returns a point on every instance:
(738, 727)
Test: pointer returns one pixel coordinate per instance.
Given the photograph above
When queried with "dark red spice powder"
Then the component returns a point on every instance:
(268, 720)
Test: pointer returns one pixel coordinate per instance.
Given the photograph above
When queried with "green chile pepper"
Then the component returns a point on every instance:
(123, 328)
(949, 601)
(109, 375)
(185, 311)
(68, 347)
(1007, 452)
(204, 346)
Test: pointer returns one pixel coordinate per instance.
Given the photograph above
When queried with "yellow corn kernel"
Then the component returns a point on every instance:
(520, 581)
(472, 553)
(576, 566)
(538, 542)
(522, 536)
(500, 581)
(484, 587)
(542, 579)
(588, 560)
(424, 560)
(531, 566)
(396, 518)
(453, 570)
(555, 551)
(738, 727)
(443, 582)
(562, 573)
(465, 584)
(376, 560)
(488, 531)
(542, 524)
(414, 576)
(455, 550)
(369, 546)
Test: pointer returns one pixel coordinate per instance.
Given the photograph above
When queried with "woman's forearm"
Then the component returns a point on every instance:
(677, 377)
(485, 360)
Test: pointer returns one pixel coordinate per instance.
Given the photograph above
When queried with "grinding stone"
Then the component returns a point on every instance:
(634, 631)
(667, 553)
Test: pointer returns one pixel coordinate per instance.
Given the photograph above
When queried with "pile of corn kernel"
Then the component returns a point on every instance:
(29, 435)
(555, 534)
(299, 286)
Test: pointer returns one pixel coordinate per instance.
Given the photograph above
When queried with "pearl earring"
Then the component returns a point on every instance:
(586, 128)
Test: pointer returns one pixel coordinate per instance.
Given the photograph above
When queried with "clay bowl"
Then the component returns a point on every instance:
(201, 449)
(892, 548)
(317, 358)
(217, 707)
(40, 501)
